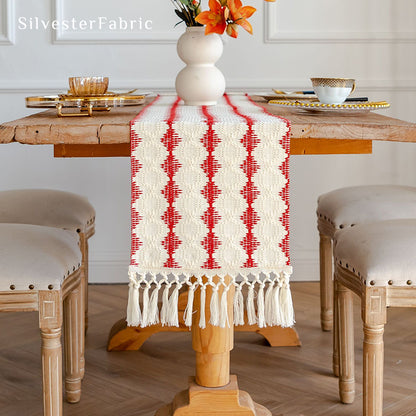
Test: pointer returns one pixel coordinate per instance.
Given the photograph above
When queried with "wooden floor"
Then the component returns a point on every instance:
(290, 381)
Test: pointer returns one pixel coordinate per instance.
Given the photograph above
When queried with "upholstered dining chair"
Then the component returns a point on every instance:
(377, 262)
(53, 208)
(346, 207)
(40, 270)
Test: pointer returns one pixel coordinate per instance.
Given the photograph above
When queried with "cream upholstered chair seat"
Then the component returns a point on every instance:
(346, 207)
(52, 208)
(376, 261)
(48, 207)
(40, 270)
(34, 257)
(380, 253)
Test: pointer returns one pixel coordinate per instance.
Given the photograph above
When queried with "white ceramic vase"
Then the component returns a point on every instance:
(200, 82)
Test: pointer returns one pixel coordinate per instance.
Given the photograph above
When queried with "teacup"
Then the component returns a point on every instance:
(88, 85)
(333, 90)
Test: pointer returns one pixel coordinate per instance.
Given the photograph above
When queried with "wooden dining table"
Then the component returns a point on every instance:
(107, 134)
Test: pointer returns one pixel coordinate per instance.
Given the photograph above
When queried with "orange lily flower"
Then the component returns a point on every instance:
(240, 14)
(214, 19)
(232, 30)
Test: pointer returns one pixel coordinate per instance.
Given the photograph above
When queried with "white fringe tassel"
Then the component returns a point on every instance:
(251, 312)
(202, 324)
(238, 306)
(145, 311)
(134, 316)
(214, 307)
(272, 305)
(164, 314)
(224, 321)
(187, 316)
(173, 307)
(153, 307)
(260, 307)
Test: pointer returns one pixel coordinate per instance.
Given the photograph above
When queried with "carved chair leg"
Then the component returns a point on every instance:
(345, 321)
(84, 268)
(335, 341)
(84, 299)
(374, 317)
(325, 264)
(373, 351)
(51, 350)
(73, 318)
(50, 323)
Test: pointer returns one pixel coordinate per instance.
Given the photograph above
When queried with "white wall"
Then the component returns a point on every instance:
(373, 41)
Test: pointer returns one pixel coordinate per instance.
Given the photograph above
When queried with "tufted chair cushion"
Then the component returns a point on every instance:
(379, 253)
(46, 207)
(33, 257)
(345, 207)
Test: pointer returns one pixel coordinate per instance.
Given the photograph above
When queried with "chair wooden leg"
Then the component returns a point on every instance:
(84, 268)
(50, 322)
(335, 346)
(325, 264)
(345, 323)
(73, 317)
(374, 318)
(84, 299)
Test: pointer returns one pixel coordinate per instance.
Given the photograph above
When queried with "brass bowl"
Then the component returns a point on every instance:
(88, 85)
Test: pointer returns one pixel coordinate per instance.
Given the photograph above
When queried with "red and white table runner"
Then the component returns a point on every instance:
(210, 197)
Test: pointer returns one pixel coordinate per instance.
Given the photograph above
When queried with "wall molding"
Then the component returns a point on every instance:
(92, 38)
(109, 266)
(272, 34)
(233, 84)
(305, 264)
(7, 35)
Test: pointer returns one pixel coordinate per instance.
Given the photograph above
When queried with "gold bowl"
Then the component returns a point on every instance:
(88, 85)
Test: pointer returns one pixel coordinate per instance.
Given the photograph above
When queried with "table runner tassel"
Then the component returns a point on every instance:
(275, 311)
(187, 316)
(145, 311)
(238, 306)
(251, 312)
(224, 309)
(202, 308)
(165, 306)
(286, 308)
(260, 307)
(268, 307)
(214, 307)
(134, 315)
(173, 306)
(153, 307)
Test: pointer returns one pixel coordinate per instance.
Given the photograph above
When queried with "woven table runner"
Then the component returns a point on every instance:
(210, 197)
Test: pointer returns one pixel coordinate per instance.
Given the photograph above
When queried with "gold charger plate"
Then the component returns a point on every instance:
(349, 107)
(85, 104)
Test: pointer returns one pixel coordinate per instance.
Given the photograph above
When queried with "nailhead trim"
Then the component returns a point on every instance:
(31, 287)
(372, 282)
(12, 287)
(409, 282)
(50, 287)
(390, 282)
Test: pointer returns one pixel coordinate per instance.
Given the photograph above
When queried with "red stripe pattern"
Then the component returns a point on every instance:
(250, 191)
(171, 191)
(284, 193)
(136, 192)
(210, 192)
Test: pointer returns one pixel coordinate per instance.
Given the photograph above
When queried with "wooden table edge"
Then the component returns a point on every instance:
(297, 147)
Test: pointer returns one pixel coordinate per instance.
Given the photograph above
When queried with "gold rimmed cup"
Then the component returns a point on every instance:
(81, 86)
(333, 90)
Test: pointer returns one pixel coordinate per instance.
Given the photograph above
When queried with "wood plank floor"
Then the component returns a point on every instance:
(290, 381)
